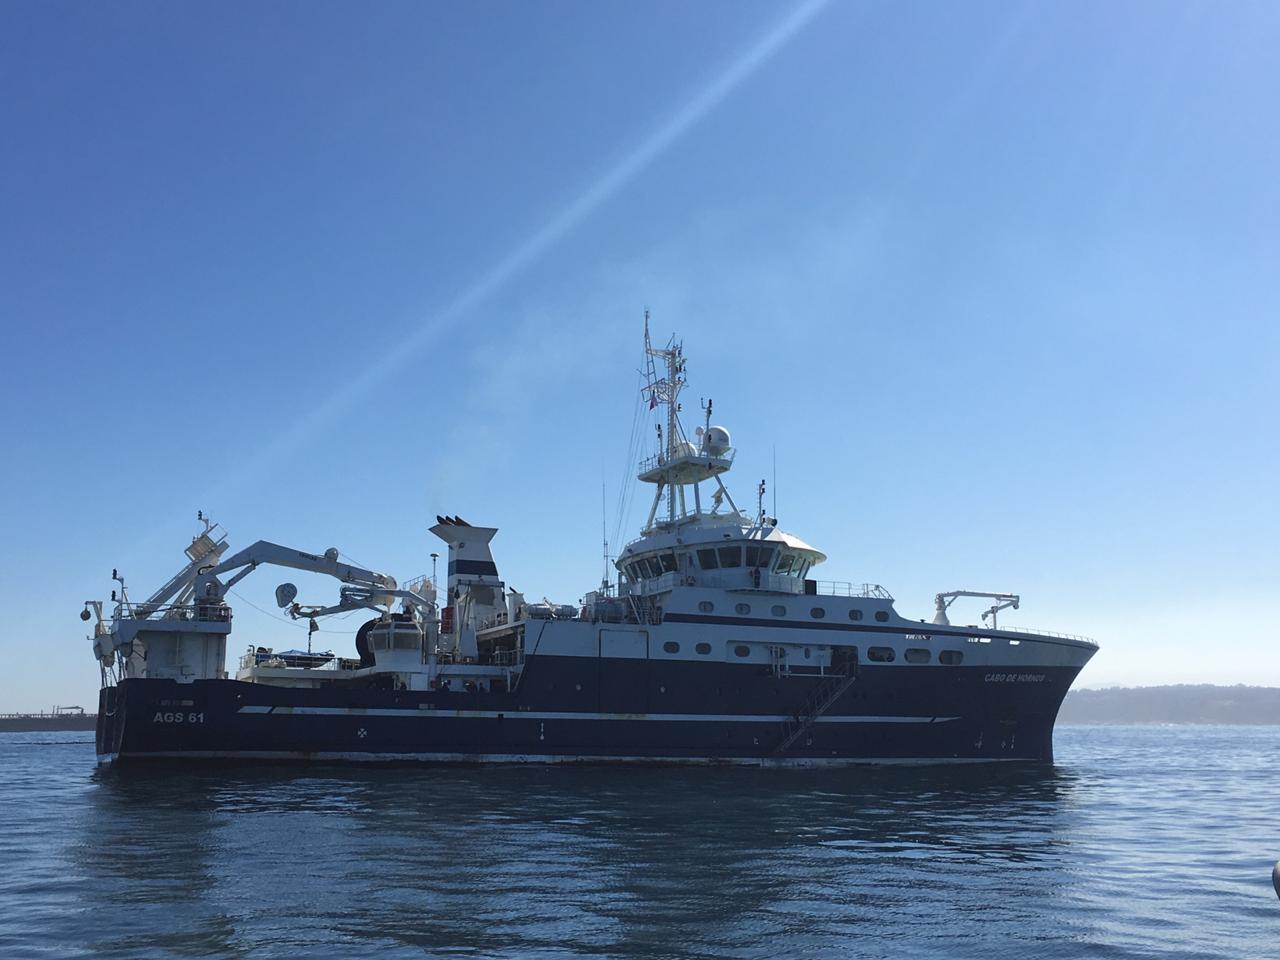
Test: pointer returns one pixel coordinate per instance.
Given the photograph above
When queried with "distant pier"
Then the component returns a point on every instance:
(59, 718)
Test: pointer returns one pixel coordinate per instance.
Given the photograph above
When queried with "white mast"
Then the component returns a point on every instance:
(679, 463)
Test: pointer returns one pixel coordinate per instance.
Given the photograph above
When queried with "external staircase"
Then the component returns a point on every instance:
(832, 688)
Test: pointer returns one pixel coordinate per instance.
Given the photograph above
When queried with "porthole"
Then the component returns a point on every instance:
(882, 616)
(703, 648)
(817, 613)
(743, 608)
(671, 647)
(779, 610)
(916, 655)
(952, 658)
(742, 650)
(855, 614)
(880, 654)
(706, 606)
(807, 653)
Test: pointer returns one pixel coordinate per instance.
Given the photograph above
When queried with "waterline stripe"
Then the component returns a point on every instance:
(468, 759)
(533, 715)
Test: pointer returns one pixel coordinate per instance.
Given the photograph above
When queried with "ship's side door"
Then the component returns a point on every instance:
(624, 671)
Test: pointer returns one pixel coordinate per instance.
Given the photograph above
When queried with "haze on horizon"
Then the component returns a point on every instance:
(997, 281)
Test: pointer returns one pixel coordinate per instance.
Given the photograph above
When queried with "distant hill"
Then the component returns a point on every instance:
(1183, 703)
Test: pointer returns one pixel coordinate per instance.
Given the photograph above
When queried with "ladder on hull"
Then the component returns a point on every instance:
(822, 699)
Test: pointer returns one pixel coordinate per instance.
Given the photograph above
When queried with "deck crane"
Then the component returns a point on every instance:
(363, 588)
(188, 616)
(942, 601)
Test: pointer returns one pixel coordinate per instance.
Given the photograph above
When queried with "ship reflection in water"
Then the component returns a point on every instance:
(1140, 842)
(520, 861)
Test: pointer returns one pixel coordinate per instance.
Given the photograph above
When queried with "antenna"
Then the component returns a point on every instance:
(604, 537)
(760, 504)
(775, 482)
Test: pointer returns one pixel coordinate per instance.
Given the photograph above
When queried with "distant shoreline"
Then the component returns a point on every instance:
(1202, 703)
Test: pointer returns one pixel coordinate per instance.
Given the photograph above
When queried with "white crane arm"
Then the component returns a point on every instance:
(276, 555)
(944, 600)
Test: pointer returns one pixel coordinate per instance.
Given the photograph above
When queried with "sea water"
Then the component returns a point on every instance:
(1139, 842)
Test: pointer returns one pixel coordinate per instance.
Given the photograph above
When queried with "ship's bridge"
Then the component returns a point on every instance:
(691, 544)
(719, 551)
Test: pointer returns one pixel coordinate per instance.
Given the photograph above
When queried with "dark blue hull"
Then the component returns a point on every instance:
(573, 709)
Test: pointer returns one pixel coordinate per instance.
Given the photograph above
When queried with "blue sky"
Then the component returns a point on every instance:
(998, 281)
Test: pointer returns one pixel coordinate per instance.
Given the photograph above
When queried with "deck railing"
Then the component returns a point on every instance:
(741, 579)
(423, 586)
(202, 612)
(842, 588)
(662, 460)
(1036, 631)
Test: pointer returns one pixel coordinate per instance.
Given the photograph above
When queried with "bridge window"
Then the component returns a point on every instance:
(742, 650)
(743, 608)
(707, 560)
(855, 614)
(779, 610)
(706, 606)
(759, 556)
(916, 655)
(817, 613)
(654, 567)
(668, 562)
(671, 647)
(952, 658)
(882, 616)
(880, 654)
(703, 648)
(784, 565)
(730, 557)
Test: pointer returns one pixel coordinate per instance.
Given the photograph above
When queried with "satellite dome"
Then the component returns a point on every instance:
(716, 441)
(685, 449)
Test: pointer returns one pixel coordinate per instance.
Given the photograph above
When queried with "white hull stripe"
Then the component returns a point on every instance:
(533, 715)
(482, 758)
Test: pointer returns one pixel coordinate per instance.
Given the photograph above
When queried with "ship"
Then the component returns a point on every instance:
(708, 641)
(56, 719)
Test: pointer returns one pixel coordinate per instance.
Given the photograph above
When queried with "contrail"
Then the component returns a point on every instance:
(403, 349)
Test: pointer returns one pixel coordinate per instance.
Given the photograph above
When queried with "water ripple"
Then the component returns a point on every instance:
(1141, 842)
